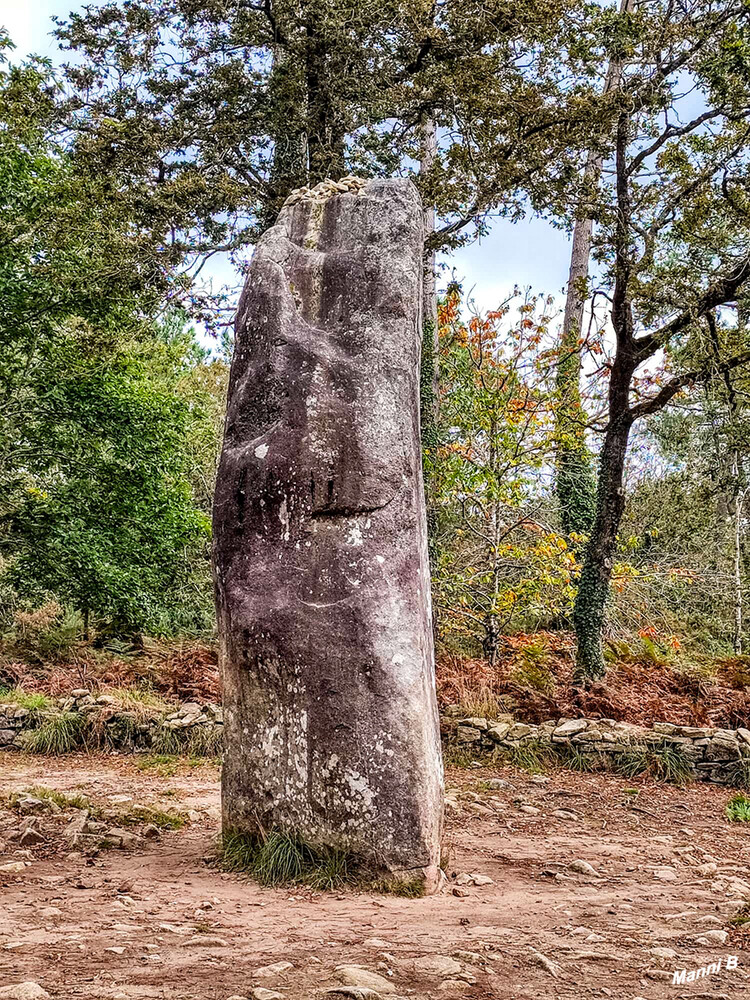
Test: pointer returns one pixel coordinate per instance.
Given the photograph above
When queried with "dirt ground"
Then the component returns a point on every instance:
(667, 869)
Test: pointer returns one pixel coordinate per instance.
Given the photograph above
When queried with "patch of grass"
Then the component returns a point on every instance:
(461, 754)
(59, 734)
(665, 761)
(205, 741)
(410, 888)
(144, 704)
(533, 756)
(482, 704)
(34, 703)
(203, 761)
(742, 916)
(631, 762)
(285, 859)
(164, 765)
(576, 760)
(738, 809)
(172, 820)
(64, 800)
(669, 762)
(167, 742)
(195, 741)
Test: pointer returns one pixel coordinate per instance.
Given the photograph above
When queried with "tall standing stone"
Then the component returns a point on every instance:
(320, 548)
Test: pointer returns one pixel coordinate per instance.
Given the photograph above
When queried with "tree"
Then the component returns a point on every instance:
(104, 517)
(673, 245)
(574, 479)
(498, 562)
(210, 114)
(95, 502)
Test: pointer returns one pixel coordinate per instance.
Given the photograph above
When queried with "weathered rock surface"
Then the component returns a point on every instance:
(23, 991)
(320, 554)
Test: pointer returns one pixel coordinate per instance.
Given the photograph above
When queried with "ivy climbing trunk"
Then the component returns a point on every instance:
(596, 574)
(320, 540)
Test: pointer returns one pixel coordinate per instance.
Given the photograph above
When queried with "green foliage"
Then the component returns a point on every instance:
(59, 734)
(203, 741)
(531, 667)
(533, 756)
(137, 815)
(285, 95)
(104, 419)
(738, 809)
(30, 700)
(285, 859)
(665, 761)
(107, 535)
(577, 760)
(669, 762)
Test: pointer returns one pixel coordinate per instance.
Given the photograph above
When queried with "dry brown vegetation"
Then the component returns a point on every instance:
(533, 680)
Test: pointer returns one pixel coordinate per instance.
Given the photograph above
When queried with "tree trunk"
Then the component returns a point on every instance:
(596, 574)
(430, 339)
(575, 483)
(738, 502)
(325, 140)
(289, 164)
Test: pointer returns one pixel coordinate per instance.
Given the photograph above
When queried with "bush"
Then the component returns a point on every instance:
(738, 809)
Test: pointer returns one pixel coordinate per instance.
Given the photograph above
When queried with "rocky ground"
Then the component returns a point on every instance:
(563, 885)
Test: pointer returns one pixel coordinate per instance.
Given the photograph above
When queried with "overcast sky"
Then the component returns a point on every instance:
(531, 253)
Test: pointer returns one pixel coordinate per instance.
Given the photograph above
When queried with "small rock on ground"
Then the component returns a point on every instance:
(352, 975)
(23, 991)
(273, 970)
(436, 965)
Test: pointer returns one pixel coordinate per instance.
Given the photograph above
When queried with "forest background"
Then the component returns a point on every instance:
(162, 137)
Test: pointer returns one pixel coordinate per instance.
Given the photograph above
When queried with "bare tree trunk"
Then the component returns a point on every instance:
(429, 399)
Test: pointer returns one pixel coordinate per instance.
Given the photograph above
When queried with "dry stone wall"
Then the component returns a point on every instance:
(110, 723)
(721, 756)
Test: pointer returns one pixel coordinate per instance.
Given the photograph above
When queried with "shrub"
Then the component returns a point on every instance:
(738, 809)
(34, 703)
(631, 762)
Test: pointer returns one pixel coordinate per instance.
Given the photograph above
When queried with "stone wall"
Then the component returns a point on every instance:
(105, 721)
(721, 756)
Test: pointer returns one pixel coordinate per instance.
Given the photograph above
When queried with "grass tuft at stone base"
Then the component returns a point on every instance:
(284, 859)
